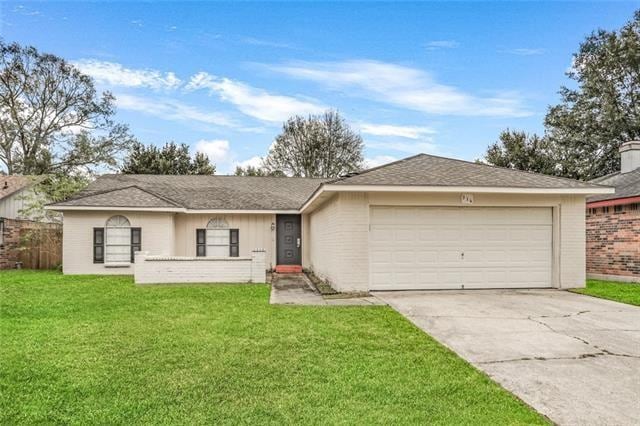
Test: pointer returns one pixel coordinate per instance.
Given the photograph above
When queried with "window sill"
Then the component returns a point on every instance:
(117, 265)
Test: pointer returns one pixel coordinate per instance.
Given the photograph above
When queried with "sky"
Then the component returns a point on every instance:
(443, 78)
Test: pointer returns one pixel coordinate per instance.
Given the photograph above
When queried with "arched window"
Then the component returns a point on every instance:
(118, 240)
(217, 240)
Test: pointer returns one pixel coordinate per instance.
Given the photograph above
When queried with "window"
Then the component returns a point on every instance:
(605, 210)
(633, 206)
(617, 209)
(98, 245)
(217, 240)
(136, 242)
(118, 240)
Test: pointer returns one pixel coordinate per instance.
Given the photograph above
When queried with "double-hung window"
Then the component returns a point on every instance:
(117, 242)
(217, 240)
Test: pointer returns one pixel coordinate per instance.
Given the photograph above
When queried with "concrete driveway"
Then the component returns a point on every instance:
(574, 358)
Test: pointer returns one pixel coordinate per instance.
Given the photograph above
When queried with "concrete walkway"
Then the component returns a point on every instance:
(295, 289)
(574, 358)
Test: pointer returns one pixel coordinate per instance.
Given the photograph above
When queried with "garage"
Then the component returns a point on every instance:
(412, 248)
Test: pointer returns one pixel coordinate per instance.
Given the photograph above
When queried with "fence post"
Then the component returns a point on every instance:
(258, 266)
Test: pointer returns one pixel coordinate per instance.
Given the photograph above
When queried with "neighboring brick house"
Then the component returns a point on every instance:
(613, 222)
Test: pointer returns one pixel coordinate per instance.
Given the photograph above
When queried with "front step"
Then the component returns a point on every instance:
(288, 269)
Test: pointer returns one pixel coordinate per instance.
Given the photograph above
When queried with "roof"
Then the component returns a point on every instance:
(626, 185)
(430, 170)
(13, 183)
(195, 192)
(259, 193)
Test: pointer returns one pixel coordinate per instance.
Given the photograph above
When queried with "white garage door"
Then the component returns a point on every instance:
(460, 247)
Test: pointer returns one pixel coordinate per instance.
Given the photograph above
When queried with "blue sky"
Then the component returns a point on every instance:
(442, 78)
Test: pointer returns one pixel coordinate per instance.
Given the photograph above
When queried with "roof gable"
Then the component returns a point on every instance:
(131, 196)
(13, 183)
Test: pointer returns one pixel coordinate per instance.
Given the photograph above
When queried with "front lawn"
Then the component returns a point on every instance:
(612, 290)
(99, 350)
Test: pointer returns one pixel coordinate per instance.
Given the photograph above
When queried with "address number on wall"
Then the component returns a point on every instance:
(466, 198)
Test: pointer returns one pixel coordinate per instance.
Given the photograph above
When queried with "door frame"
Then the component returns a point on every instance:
(278, 226)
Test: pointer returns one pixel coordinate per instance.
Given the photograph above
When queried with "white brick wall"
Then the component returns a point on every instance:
(339, 232)
(77, 249)
(176, 269)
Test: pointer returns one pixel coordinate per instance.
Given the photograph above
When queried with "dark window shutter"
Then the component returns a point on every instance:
(98, 245)
(136, 242)
(234, 242)
(201, 242)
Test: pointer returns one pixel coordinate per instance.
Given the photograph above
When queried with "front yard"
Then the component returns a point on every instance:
(101, 350)
(612, 290)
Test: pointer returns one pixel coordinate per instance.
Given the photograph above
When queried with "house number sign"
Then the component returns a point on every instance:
(466, 198)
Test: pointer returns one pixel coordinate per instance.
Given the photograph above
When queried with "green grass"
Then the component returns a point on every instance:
(612, 290)
(99, 350)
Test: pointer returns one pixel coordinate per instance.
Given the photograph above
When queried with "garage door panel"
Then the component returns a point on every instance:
(421, 248)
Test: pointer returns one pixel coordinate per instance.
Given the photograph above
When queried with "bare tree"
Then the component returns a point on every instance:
(51, 118)
(317, 146)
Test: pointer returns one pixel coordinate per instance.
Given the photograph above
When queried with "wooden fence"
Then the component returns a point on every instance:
(33, 245)
(41, 247)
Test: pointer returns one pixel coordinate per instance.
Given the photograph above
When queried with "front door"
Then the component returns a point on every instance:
(289, 240)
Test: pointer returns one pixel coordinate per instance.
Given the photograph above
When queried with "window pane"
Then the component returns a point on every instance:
(118, 236)
(200, 250)
(217, 251)
(218, 236)
(118, 253)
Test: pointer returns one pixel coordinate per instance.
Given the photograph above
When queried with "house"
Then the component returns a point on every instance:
(424, 222)
(613, 222)
(15, 223)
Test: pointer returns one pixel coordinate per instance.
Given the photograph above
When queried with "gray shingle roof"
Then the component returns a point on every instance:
(196, 192)
(282, 193)
(429, 170)
(626, 184)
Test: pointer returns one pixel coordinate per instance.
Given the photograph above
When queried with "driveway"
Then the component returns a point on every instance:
(574, 358)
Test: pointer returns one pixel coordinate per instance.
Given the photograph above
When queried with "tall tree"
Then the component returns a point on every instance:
(584, 132)
(52, 120)
(317, 146)
(519, 150)
(171, 159)
(256, 171)
(603, 111)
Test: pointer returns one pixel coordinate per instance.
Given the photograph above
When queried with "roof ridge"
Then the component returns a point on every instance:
(209, 176)
(106, 191)
(374, 168)
(511, 170)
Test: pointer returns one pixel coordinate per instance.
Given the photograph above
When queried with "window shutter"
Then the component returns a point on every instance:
(234, 242)
(136, 242)
(98, 245)
(201, 242)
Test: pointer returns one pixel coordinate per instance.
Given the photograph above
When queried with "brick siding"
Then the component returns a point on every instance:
(613, 241)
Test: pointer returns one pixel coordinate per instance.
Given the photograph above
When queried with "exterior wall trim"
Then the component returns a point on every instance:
(448, 189)
(613, 202)
(168, 210)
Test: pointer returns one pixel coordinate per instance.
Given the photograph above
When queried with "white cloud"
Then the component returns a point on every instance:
(409, 132)
(402, 86)
(217, 150)
(170, 109)
(252, 101)
(378, 160)
(117, 75)
(253, 162)
(523, 51)
(442, 44)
